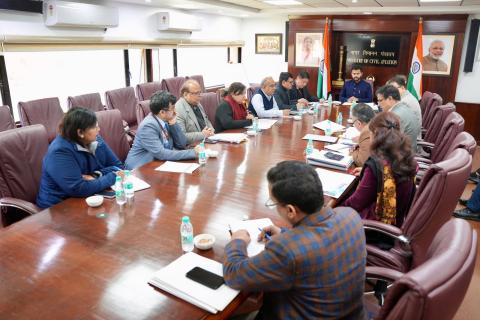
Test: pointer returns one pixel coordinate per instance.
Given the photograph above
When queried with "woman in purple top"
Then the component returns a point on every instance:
(386, 188)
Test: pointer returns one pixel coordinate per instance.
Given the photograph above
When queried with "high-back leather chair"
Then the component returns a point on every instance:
(143, 109)
(21, 159)
(43, 111)
(173, 85)
(251, 90)
(434, 202)
(146, 90)
(91, 101)
(452, 126)
(112, 131)
(428, 116)
(424, 101)
(124, 100)
(433, 290)
(439, 115)
(199, 79)
(209, 102)
(463, 140)
(6, 119)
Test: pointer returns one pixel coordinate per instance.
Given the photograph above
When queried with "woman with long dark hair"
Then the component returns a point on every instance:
(386, 186)
(231, 113)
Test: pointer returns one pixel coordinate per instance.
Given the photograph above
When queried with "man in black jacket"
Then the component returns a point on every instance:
(299, 92)
(282, 95)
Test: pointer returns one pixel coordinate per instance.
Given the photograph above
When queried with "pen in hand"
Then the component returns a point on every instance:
(267, 236)
(230, 230)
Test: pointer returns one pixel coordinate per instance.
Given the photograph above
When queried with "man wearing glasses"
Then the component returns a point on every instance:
(159, 136)
(282, 92)
(191, 116)
(314, 270)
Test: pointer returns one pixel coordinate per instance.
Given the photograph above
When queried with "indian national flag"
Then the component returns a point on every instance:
(323, 83)
(414, 84)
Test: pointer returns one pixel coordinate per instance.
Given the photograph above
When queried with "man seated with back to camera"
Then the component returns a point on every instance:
(159, 137)
(357, 89)
(299, 92)
(263, 104)
(314, 270)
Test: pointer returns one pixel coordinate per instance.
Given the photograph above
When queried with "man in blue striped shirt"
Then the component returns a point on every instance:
(357, 89)
(316, 269)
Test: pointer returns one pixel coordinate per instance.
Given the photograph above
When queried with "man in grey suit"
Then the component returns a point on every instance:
(192, 119)
(159, 136)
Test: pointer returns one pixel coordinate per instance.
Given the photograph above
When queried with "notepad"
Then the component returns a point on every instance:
(335, 127)
(179, 167)
(351, 132)
(334, 183)
(229, 137)
(264, 124)
(138, 184)
(318, 158)
(252, 226)
(338, 147)
(173, 280)
(317, 137)
(347, 142)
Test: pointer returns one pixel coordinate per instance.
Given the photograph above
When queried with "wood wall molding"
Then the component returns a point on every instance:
(404, 25)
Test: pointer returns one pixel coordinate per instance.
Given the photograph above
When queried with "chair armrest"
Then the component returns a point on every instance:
(386, 229)
(424, 160)
(381, 273)
(26, 206)
(425, 144)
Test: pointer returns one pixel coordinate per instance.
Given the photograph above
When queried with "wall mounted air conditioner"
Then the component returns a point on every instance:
(72, 14)
(177, 21)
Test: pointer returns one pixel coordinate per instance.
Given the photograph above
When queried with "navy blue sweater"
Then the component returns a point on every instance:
(63, 167)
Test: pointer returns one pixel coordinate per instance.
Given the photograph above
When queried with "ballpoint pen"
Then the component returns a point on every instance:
(266, 234)
(230, 230)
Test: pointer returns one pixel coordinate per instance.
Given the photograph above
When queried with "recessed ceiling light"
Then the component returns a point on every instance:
(440, 0)
(283, 2)
(354, 1)
(367, 12)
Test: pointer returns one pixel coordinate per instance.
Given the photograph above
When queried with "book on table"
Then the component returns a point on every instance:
(329, 159)
(229, 137)
(334, 183)
(334, 127)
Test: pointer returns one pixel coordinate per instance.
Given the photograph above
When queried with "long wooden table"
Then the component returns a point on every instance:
(74, 262)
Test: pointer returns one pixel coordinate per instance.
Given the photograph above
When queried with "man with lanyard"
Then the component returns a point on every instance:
(159, 137)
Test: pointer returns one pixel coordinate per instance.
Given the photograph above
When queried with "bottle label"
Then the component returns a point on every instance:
(187, 238)
(129, 185)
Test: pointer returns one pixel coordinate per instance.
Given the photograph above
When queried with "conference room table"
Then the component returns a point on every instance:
(72, 261)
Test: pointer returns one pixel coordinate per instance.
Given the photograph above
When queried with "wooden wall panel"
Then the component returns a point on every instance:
(407, 26)
(471, 113)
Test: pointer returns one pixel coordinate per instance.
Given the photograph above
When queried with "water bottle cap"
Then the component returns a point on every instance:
(118, 178)
(126, 172)
(186, 219)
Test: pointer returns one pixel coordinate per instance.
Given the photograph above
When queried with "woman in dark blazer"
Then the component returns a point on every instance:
(231, 113)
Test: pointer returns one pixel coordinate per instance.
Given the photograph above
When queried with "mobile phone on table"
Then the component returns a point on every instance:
(334, 156)
(207, 278)
(107, 194)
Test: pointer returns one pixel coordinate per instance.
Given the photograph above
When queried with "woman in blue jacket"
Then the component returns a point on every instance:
(78, 162)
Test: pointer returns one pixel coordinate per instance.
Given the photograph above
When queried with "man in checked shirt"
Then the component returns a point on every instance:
(316, 269)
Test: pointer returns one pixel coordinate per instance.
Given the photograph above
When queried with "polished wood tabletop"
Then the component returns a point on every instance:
(76, 262)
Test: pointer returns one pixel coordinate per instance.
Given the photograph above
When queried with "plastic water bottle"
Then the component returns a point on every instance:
(202, 155)
(255, 124)
(309, 148)
(119, 192)
(340, 118)
(186, 234)
(315, 109)
(328, 130)
(128, 187)
(330, 102)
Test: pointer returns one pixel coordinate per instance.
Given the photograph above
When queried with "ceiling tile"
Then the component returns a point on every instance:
(322, 3)
(470, 2)
(359, 3)
(398, 3)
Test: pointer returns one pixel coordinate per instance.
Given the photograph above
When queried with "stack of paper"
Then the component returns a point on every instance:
(320, 158)
(180, 167)
(264, 124)
(325, 123)
(172, 279)
(351, 132)
(229, 137)
(338, 147)
(317, 137)
(347, 142)
(334, 183)
(253, 227)
(138, 184)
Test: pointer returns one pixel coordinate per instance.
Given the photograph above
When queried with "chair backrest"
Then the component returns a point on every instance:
(43, 111)
(452, 126)
(251, 90)
(173, 85)
(425, 101)
(434, 102)
(146, 90)
(439, 115)
(6, 119)
(124, 100)
(435, 289)
(199, 79)
(22, 154)
(112, 131)
(91, 101)
(143, 109)
(370, 82)
(209, 102)
(463, 140)
(435, 200)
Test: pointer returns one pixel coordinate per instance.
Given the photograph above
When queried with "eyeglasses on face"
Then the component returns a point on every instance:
(270, 204)
(196, 93)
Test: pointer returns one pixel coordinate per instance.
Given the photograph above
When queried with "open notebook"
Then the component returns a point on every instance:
(172, 279)
(334, 184)
(252, 226)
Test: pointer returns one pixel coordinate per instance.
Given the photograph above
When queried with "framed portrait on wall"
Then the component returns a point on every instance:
(437, 54)
(307, 49)
(268, 43)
